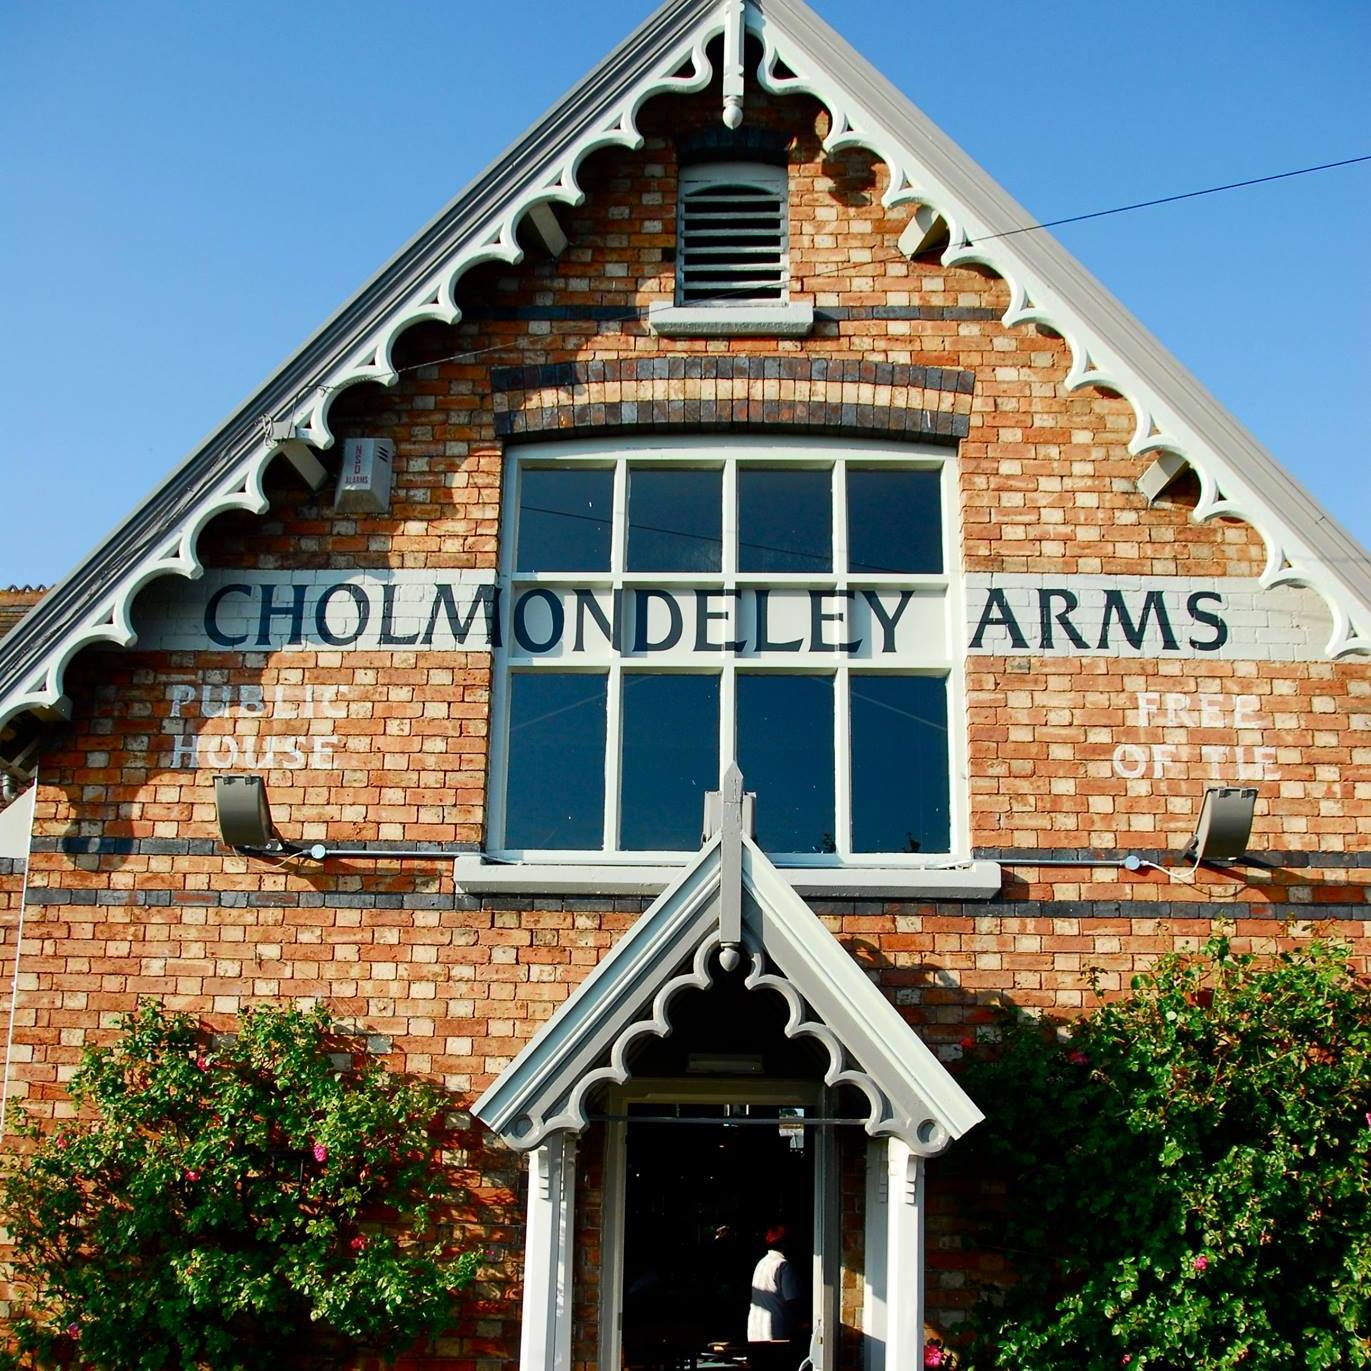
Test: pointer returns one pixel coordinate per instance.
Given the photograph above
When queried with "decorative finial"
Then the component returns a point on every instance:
(735, 30)
(731, 867)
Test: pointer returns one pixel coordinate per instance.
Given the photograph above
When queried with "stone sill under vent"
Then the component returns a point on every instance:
(731, 321)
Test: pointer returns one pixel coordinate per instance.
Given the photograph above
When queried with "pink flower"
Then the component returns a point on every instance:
(968, 1043)
(63, 1142)
(1200, 1263)
(192, 1176)
(933, 1356)
(1078, 1058)
(1125, 1359)
(201, 1064)
(73, 1330)
(1368, 1118)
(358, 1244)
(320, 1153)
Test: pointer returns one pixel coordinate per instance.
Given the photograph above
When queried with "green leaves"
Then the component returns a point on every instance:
(220, 1205)
(1188, 1175)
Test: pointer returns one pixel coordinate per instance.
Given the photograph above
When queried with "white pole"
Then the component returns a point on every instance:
(18, 948)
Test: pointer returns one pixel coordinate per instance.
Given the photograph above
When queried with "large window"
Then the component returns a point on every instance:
(669, 608)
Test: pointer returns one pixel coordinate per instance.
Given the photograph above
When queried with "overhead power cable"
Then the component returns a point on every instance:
(847, 268)
(1172, 199)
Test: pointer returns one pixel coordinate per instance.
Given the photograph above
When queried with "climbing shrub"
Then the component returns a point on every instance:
(1183, 1177)
(231, 1202)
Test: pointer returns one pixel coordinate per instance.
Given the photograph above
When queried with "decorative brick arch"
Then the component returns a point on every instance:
(792, 393)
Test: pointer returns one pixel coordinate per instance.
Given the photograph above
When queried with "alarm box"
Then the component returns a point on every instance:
(364, 478)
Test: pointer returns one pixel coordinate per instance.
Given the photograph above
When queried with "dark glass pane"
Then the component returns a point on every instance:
(785, 750)
(555, 789)
(670, 758)
(894, 521)
(785, 520)
(675, 520)
(899, 764)
(565, 519)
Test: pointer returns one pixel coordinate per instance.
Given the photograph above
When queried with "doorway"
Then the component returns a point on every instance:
(683, 1160)
(703, 1184)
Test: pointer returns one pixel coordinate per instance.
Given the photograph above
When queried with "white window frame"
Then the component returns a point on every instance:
(710, 451)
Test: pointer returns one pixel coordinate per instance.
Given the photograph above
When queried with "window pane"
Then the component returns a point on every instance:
(785, 750)
(899, 764)
(670, 758)
(894, 521)
(565, 518)
(675, 520)
(785, 520)
(555, 791)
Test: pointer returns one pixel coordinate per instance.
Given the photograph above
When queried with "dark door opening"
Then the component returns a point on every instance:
(699, 1198)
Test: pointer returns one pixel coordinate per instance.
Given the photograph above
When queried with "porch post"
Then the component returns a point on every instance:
(545, 1340)
(873, 1278)
(828, 1243)
(904, 1311)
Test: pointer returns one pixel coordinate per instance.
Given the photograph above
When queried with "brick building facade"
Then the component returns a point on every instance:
(1103, 660)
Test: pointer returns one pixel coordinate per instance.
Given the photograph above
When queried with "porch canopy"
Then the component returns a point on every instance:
(729, 907)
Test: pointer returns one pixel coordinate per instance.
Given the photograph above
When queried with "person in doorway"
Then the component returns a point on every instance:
(772, 1315)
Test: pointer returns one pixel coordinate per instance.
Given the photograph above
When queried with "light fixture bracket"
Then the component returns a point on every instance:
(245, 815)
(1224, 826)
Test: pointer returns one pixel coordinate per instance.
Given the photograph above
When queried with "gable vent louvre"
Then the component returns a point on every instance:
(732, 246)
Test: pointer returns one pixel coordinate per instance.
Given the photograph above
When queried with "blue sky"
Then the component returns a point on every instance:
(193, 187)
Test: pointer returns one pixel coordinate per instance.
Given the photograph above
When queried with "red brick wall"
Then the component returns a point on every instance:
(132, 895)
(15, 602)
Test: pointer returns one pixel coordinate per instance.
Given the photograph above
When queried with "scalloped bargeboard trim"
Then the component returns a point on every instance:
(927, 1135)
(684, 67)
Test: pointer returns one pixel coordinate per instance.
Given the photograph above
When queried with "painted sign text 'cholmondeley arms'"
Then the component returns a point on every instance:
(1063, 615)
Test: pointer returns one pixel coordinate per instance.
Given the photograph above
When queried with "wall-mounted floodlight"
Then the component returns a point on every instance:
(1224, 826)
(245, 815)
(245, 825)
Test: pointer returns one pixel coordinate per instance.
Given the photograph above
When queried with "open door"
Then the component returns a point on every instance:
(700, 1197)
(696, 1173)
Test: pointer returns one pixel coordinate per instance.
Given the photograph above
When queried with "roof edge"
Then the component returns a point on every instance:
(1047, 271)
(221, 454)
(666, 54)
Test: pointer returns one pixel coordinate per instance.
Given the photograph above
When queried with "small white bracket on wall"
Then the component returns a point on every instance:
(924, 229)
(1153, 481)
(284, 435)
(545, 225)
(735, 31)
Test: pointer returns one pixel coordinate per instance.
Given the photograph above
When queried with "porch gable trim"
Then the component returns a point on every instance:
(672, 946)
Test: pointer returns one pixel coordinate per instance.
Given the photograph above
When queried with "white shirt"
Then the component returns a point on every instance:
(774, 1289)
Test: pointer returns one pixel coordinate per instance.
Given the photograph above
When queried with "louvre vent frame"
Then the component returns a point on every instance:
(733, 235)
